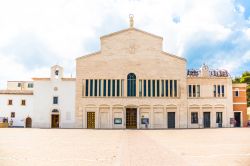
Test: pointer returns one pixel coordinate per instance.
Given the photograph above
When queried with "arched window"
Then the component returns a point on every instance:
(55, 111)
(131, 84)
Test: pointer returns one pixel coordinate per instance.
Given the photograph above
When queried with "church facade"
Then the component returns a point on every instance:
(132, 83)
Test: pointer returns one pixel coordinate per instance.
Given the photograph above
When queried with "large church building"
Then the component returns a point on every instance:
(132, 83)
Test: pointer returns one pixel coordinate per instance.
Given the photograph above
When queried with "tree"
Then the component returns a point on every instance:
(245, 78)
(236, 80)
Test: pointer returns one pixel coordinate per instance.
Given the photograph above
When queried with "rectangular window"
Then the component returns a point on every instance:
(218, 117)
(91, 88)
(104, 87)
(55, 100)
(218, 90)
(222, 90)
(109, 87)
(122, 87)
(10, 102)
(214, 90)
(175, 88)
(140, 88)
(237, 93)
(166, 88)
(12, 115)
(96, 87)
(117, 87)
(144, 88)
(19, 84)
(100, 87)
(113, 87)
(158, 88)
(162, 88)
(149, 88)
(87, 88)
(30, 85)
(171, 88)
(198, 91)
(194, 90)
(194, 117)
(190, 90)
(153, 88)
(23, 102)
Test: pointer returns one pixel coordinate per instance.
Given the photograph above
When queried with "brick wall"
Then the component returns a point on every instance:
(240, 102)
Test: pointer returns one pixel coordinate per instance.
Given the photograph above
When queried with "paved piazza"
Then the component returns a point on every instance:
(40, 147)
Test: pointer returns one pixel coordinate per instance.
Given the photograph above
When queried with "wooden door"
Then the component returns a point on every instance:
(28, 122)
(131, 118)
(54, 121)
(90, 120)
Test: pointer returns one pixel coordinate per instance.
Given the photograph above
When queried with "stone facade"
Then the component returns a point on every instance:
(140, 53)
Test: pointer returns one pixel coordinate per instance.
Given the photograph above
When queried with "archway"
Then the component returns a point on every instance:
(28, 122)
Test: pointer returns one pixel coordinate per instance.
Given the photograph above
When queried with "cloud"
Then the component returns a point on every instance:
(37, 34)
(27, 50)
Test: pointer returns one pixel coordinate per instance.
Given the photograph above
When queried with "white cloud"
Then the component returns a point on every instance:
(66, 27)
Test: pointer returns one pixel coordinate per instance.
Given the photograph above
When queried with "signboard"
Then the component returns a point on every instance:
(117, 120)
(144, 120)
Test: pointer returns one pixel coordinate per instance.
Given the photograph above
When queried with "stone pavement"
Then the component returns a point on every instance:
(206, 147)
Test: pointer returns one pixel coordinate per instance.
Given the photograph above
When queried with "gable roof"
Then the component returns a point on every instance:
(84, 56)
(129, 29)
(175, 56)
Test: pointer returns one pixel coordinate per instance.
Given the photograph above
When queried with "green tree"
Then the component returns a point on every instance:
(236, 80)
(245, 78)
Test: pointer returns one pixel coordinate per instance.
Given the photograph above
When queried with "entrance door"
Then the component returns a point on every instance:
(171, 119)
(54, 121)
(237, 117)
(90, 120)
(131, 118)
(28, 122)
(206, 119)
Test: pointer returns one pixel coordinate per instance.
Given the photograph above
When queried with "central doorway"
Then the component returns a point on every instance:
(206, 119)
(131, 118)
(55, 121)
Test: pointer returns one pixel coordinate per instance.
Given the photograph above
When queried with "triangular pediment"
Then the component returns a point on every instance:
(131, 29)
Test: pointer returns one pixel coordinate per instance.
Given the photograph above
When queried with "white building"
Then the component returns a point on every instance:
(17, 106)
(54, 100)
(41, 103)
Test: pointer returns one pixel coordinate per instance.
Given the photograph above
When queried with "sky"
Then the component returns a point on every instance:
(36, 34)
